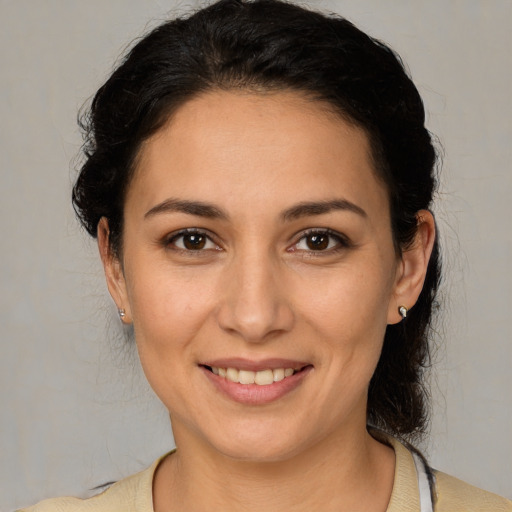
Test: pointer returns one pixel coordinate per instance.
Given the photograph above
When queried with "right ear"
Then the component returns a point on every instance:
(113, 270)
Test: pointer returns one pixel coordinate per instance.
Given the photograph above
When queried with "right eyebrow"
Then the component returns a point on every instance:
(197, 208)
(311, 208)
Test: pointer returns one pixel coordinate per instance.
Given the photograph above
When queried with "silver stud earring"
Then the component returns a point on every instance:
(403, 312)
(122, 313)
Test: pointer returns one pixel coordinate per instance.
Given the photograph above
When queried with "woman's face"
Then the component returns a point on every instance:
(257, 241)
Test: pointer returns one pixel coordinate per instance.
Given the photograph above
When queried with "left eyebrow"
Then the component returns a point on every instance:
(307, 209)
(198, 208)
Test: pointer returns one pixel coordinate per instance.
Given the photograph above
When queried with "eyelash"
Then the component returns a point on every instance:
(341, 241)
(171, 240)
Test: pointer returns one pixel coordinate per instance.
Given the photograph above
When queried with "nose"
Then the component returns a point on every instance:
(254, 304)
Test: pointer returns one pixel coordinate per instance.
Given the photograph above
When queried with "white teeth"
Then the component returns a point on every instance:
(278, 374)
(232, 374)
(264, 378)
(261, 378)
(246, 377)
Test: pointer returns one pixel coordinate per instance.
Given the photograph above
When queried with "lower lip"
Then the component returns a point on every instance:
(254, 394)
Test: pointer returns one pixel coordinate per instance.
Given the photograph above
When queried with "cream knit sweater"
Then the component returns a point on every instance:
(134, 494)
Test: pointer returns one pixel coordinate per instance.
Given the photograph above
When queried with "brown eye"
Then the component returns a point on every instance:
(191, 241)
(318, 242)
(194, 241)
(321, 241)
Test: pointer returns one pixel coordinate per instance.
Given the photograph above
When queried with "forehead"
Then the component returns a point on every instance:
(224, 145)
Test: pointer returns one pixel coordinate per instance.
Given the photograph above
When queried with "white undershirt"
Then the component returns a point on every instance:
(426, 504)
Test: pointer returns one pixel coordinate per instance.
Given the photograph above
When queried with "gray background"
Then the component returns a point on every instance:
(75, 411)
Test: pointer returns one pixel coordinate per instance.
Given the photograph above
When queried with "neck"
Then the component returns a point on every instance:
(348, 473)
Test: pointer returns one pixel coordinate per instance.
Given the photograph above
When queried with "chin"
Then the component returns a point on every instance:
(260, 453)
(271, 445)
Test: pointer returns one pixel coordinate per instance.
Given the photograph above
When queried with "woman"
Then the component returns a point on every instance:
(259, 179)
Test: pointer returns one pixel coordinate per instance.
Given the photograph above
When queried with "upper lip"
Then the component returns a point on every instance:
(255, 366)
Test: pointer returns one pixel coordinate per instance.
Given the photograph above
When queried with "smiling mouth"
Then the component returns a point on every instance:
(261, 378)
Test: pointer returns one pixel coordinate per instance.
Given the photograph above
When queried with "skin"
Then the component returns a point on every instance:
(257, 290)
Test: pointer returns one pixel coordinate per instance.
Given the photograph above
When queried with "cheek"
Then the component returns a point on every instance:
(169, 307)
(349, 316)
(350, 299)
(167, 313)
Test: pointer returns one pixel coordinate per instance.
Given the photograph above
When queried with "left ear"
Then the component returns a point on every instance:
(113, 271)
(412, 267)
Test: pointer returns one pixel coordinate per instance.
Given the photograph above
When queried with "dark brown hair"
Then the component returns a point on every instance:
(266, 45)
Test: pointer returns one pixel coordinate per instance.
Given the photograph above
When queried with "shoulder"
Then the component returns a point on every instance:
(455, 495)
(450, 494)
(132, 494)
